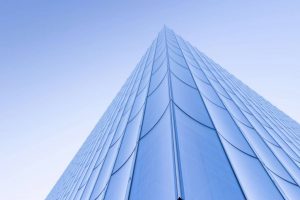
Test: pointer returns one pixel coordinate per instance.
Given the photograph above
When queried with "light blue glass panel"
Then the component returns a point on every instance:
(190, 59)
(158, 76)
(287, 162)
(153, 176)
(174, 59)
(105, 172)
(260, 129)
(129, 140)
(235, 111)
(208, 92)
(183, 74)
(283, 144)
(119, 182)
(156, 105)
(205, 169)
(91, 182)
(121, 127)
(90, 169)
(138, 104)
(158, 63)
(264, 153)
(104, 149)
(227, 127)
(189, 100)
(129, 103)
(252, 176)
(291, 191)
(240, 104)
(160, 57)
(174, 49)
(145, 80)
(199, 74)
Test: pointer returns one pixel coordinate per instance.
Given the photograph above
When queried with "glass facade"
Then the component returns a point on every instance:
(182, 127)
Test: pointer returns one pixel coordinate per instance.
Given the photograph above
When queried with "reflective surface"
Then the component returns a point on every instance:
(182, 126)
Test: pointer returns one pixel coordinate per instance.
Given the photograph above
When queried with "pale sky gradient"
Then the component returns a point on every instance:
(62, 62)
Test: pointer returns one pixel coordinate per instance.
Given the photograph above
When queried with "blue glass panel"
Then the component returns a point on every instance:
(145, 80)
(104, 149)
(252, 176)
(283, 144)
(235, 111)
(153, 176)
(183, 74)
(291, 191)
(158, 76)
(129, 140)
(91, 182)
(138, 104)
(264, 153)
(189, 100)
(157, 64)
(227, 128)
(291, 166)
(205, 169)
(121, 127)
(219, 89)
(260, 129)
(176, 60)
(105, 172)
(198, 74)
(156, 105)
(208, 92)
(119, 182)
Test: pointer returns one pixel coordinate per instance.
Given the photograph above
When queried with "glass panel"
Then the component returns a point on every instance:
(265, 155)
(104, 149)
(90, 169)
(253, 178)
(183, 74)
(154, 176)
(105, 172)
(156, 105)
(190, 59)
(283, 144)
(199, 74)
(91, 182)
(158, 64)
(219, 89)
(159, 59)
(174, 59)
(240, 103)
(138, 104)
(189, 100)
(290, 190)
(287, 162)
(119, 181)
(145, 80)
(158, 76)
(121, 127)
(234, 110)
(227, 127)
(205, 169)
(208, 92)
(260, 129)
(129, 140)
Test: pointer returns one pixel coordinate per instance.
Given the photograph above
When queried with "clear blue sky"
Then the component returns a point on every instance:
(62, 62)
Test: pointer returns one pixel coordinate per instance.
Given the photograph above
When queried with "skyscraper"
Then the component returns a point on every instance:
(182, 127)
